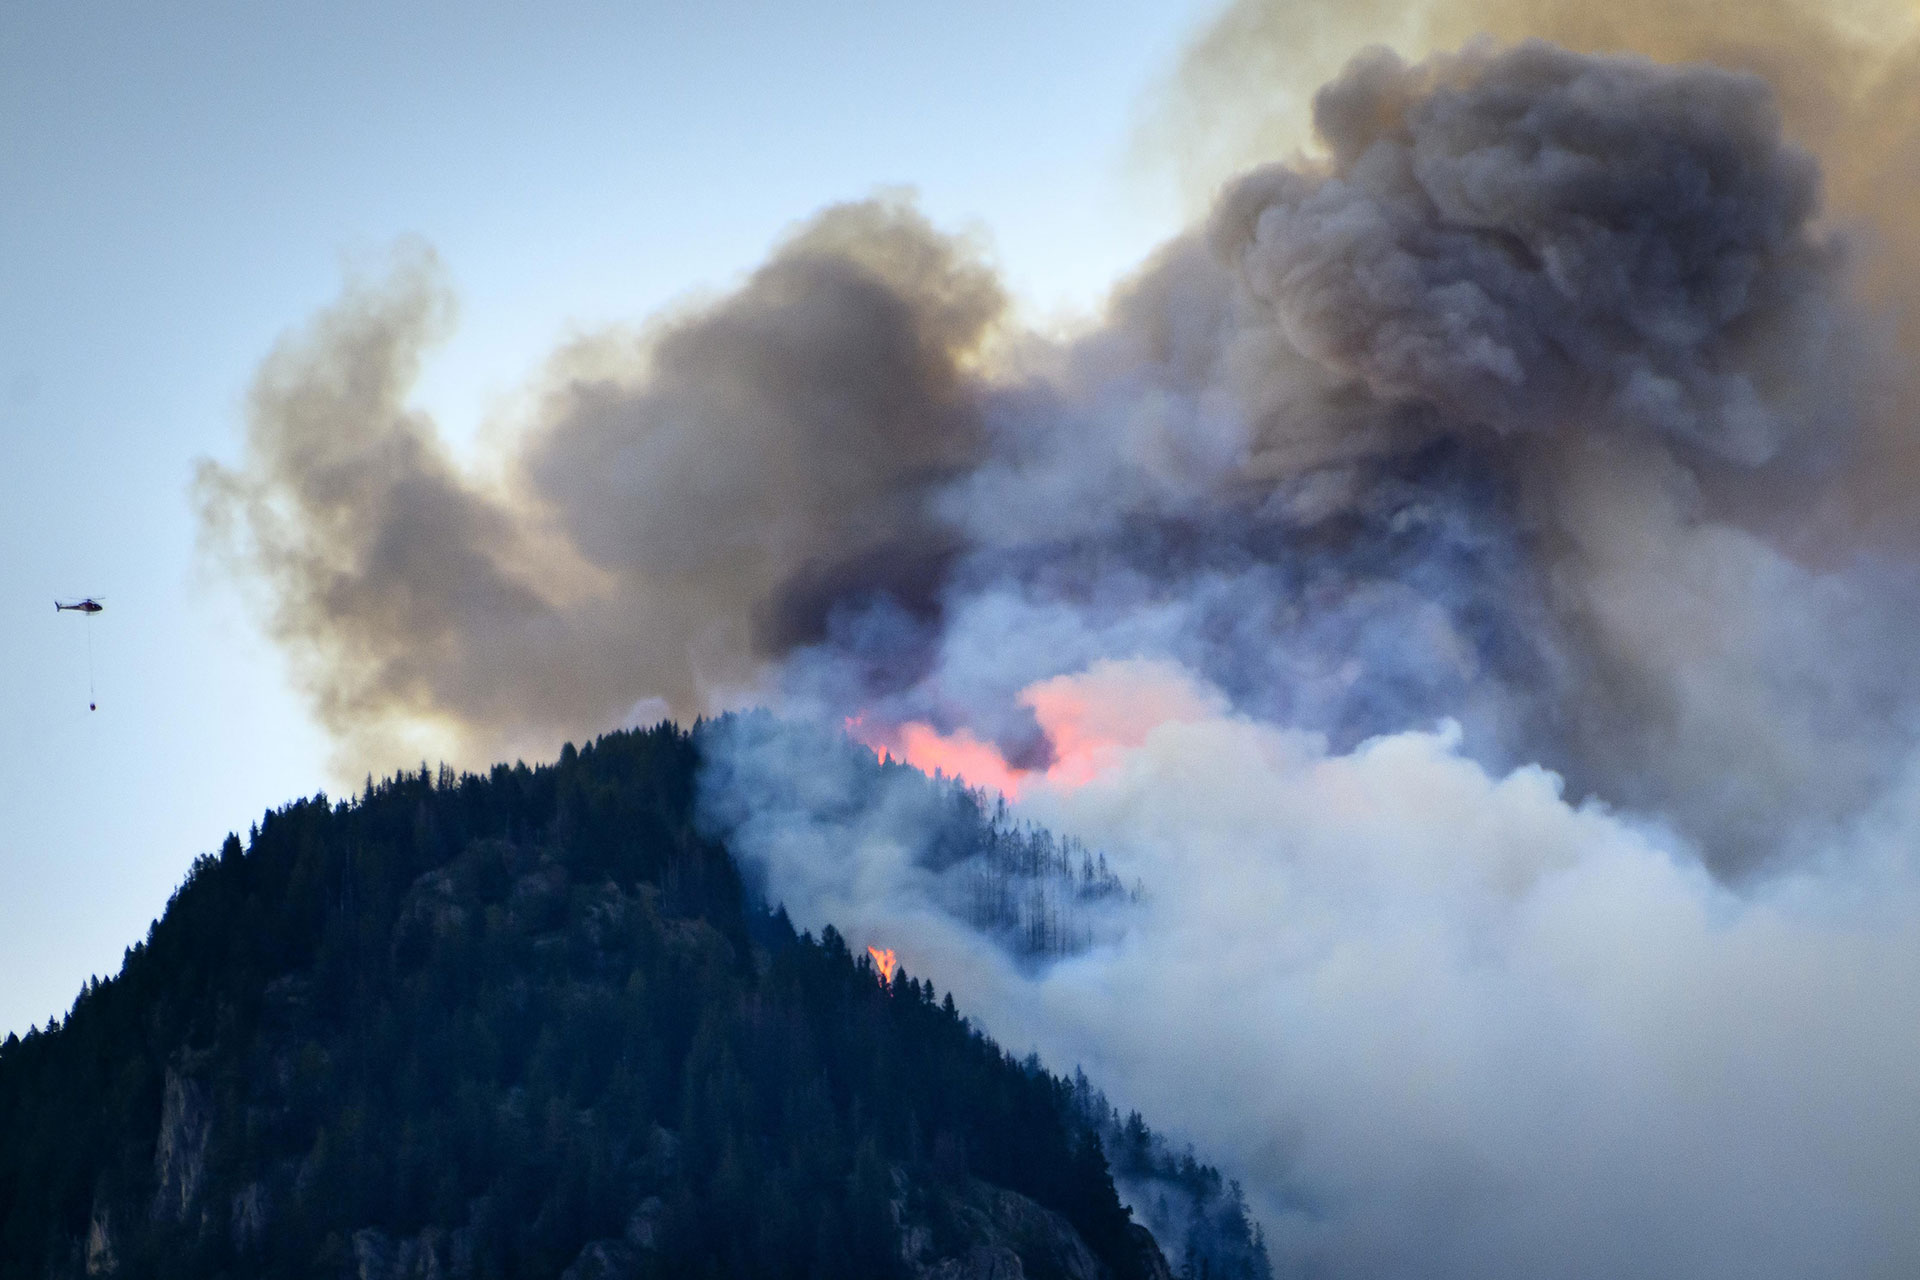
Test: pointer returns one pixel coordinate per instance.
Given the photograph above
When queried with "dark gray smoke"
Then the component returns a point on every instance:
(1457, 422)
(1466, 580)
(1596, 280)
(1542, 243)
(1465, 419)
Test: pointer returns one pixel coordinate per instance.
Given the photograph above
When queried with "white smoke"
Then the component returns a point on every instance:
(1441, 1022)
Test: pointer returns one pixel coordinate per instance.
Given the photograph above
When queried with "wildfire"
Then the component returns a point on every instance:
(1090, 721)
(957, 755)
(885, 961)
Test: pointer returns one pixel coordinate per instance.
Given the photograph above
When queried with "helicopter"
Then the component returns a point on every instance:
(86, 608)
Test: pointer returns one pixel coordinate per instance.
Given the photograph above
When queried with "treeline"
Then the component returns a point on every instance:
(500, 1025)
(1035, 894)
(1199, 1217)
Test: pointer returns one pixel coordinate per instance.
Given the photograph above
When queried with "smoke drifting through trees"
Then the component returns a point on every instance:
(1438, 1021)
(885, 830)
(1545, 399)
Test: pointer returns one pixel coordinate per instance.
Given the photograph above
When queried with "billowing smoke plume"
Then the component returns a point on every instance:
(1466, 581)
(1440, 1021)
(687, 507)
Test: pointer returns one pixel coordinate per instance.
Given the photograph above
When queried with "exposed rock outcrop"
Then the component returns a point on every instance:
(982, 1262)
(991, 1233)
(249, 1219)
(432, 1255)
(604, 1260)
(1153, 1263)
(100, 1258)
(180, 1151)
(643, 1227)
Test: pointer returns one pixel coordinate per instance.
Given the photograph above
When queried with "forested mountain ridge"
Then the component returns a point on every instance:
(532, 1024)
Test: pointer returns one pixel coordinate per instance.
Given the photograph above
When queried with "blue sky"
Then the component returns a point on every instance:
(181, 184)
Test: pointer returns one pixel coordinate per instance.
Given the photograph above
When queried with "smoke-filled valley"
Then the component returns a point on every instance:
(1458, 595)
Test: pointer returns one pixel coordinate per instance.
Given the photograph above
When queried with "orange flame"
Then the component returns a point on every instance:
(885, 961)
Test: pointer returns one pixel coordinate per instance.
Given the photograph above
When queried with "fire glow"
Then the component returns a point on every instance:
(1089, 721)
(885, 961)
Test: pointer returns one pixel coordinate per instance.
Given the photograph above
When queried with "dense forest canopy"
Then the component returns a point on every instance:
(534, 1022)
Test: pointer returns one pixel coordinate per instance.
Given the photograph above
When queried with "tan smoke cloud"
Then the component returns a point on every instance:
(669, 520)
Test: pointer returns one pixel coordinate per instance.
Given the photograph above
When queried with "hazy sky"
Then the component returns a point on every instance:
(178, 189)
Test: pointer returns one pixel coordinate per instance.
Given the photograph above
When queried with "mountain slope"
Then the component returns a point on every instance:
(525, 1024)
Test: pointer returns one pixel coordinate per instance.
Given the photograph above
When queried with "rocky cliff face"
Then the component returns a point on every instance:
(967, 1231)
(100, 1257)
(972, 1230)
(180, 1153)
(179, 1173)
